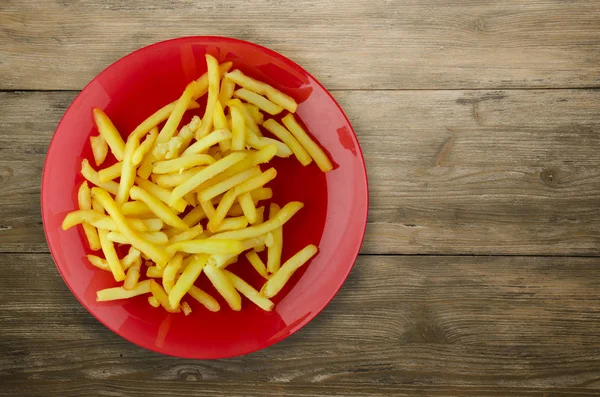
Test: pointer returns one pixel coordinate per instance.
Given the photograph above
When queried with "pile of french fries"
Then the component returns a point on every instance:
(187, 201)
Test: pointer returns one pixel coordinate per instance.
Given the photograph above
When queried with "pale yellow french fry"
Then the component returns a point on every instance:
(158, 117)
(227, 184)
(256, 99)
(257, 116)
(207, 141)
(174, 179)
(108, 130)
(109, 173)
(161, 193)
(207, 246)
(257, 264)
(153, 224)
(99, 149)
(133, 275)
(161, 296)
(221, 212)
(159, 208)
(76, 217)
(153, 302)
(194, 216)
(255, 182)
(205, 299)
(111, 294)
(224, 287)
(107, 223)
(238, 132)
(263, 193)
(188, 132)
(156, 238)
(92, 176)
(84, 199)
(260, 211)
(281, 99)
(227, 88)
(248, 207)
(219, 119)
(136, 208)
(168, 280)
(289, 210)
(187, 279)
(208, 208)
(310, 145)
(96, 206)
(186, 308)
(191, 198)
(127, 170)
(174, 119)
(260, 142)
(132, 257)
(282, 133)
(205, 174)
(181, 163)
(278, 280)
(145, 147)
(214, 79)
(222, 260)
(274, 95)
(246, 289)
(100, 263)
(236, 223)
(251, 125)
(274, 251)
(202, 86)
(167, 150)
(190, 234)
(110, 254)
(158, 255)
(155, 272)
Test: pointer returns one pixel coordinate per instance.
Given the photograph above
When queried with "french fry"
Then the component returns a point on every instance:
(109, 173)
(110, 133)
(227, 184)
(274, 251)
(238, 132)
(208, 208)
(185, 308)
(100, 263)
(161, 193)
(153, 224)
(77, 217)
(145, 147)
(158, 117)
(257, 116)
(207, 141)
(136, 208)
(174, 119)
(214, 78)
(188, 132)
(219, 119)
(132, 257)
(205, 299)
(133, 275)
(260, 142)
(187, 279)
(192, 199)
(158, 255)
(107, 223)
(156, 238)
(246, 289)
(190, 234)
(227, 88)
(111, 294)
(161, 296)
(153, 302)
(194, 216)
(155, 272)
(207, 246)
(222, 260)
(248, 207)
(99, 149)
(236, 223)
(181, 163)
(222, 210)
(311, 146)
(256, 99)
(276, 96)
(127, 170)
(250, 123)
(158, 207)
(84, 199)
(224, 287)
(92, 176)
(282, 133)
(168, 280)
(111, 256)
(257, 264)
(278, 280)
(205, 174)
(260, 211)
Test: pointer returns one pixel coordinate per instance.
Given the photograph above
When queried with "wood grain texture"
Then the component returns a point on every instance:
(391, 44)
(451, 172)
(400, 326)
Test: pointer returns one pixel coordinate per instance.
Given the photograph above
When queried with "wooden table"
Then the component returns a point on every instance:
(480, 271)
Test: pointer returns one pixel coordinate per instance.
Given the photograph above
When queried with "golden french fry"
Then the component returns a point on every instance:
(99, 149)
(219, 119)
(282, 133)
(176, 115)
(256, 99)
(227, 184)
(310, 145)
(107, 223)
(194, 216)
(255, 182)
(205, 174)
(205, 299)
(246, 289)
(274, 95)
(154, 272)
(132, 257)
(188, 132)
(257, 264)
(207, 141)
(224, 287)
(133, 275)
(109, 173)
(276, 282)
(214, 79)
(76, 217)
(251, 125)
(145, 147)
(257, 116)
(207, 246)
(274, 251)
(100, 263)
(92, 176)
(153, 302)
(190, 234)
(161, 193)
(238, 132)
(111, 294)
(248, 207)
(157, 238)
(158, 255)
(84, 199)
(158, 117)
(136, 208)
(110, 254)
(208, 208)
(110, 133)
(127, 170)
(192, 199)
(181, 163)
(96, 206)
(222, 260)
(236, 223)
(227, 88)
(187, 279)
(161, 296)
(260, 142)
(168, 280)
(158, 207)
(254, 231)
(153, 224)
(221, 212)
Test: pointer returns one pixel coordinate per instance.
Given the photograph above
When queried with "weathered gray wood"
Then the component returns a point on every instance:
(399, 326)
(451, 172)
(360, 44)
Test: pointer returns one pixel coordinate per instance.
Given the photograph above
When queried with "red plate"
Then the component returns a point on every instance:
(334, 216)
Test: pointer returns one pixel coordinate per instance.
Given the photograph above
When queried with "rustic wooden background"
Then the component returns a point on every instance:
(480, 125)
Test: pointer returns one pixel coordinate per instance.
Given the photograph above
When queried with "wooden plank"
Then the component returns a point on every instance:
(401, 44)
(399, 326)
(451, 172)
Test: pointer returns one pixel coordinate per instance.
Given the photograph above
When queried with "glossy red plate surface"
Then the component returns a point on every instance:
(334, 216)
